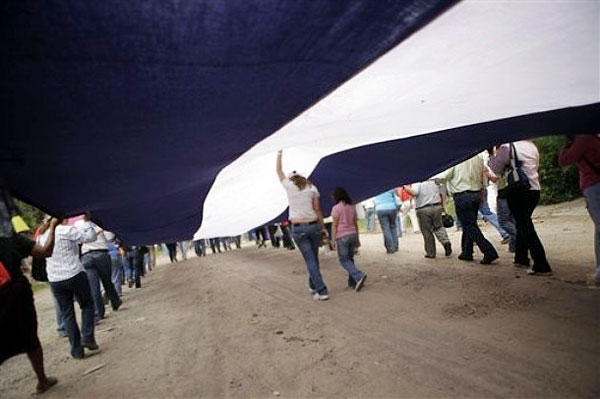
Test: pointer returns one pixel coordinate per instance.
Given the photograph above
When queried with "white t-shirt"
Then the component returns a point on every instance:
(427, 193)
(103, 237)
(301, 202)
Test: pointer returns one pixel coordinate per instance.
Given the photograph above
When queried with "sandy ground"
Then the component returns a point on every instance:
(242, 324)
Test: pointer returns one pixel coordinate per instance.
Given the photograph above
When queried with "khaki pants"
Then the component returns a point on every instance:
(430, 222)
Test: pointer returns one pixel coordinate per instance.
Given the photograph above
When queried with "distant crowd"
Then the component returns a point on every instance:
(85, 263)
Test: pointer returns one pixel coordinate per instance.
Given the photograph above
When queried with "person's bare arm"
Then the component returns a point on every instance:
(44, 251)
(279, 166)
(334, 225)
(357, 233)
(317, 208)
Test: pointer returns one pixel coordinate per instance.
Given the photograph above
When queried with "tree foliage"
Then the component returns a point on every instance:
(30, 214)
(558, 184)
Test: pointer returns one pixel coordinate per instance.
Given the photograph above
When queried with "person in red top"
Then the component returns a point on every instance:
(407, 210)
(584, 152)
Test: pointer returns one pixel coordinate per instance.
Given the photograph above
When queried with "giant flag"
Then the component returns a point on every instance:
(163, 117)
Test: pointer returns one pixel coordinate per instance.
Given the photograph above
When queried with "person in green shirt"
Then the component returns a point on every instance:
(465, 182)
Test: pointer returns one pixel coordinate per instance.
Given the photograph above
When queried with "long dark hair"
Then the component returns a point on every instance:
(340, 194)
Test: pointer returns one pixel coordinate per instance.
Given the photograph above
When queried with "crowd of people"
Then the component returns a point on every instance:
(82, 260)
(511, 169)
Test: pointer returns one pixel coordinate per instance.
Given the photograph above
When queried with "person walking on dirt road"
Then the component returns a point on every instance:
(307, 224)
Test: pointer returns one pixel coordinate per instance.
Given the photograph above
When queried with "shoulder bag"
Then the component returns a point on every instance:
(516, 179)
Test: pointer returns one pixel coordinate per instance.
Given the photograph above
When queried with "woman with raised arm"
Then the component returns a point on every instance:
(18, 319)
(307, 225)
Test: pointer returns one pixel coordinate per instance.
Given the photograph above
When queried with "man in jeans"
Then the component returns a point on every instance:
(386, 206)
(98, 267)
(584, 152)
(69, 281)
(369, 206)
(465, 183)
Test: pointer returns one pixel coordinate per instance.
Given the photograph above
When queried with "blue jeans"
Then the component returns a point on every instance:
(370, 216)
(66, 291)
(507, 222)
(135, 259)
(399, 226)
(127, 268)
(98, 267)
(345, 249)
(592, 198)
(467, 204)
(387, 220)
(60, 323)
(491, 217)
(117, 273)
(308, 238)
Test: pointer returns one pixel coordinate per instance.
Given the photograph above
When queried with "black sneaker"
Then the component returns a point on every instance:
(448, 248)
(465, 258)
(487, 260)
(115, 308)
(90, 345)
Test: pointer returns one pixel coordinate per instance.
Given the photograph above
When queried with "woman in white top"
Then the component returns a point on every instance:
(307, 225)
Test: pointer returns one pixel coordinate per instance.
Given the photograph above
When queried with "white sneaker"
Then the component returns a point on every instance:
(311, 291)
(319, 297)
(360, 283)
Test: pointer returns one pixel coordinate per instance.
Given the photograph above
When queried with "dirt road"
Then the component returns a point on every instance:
(242, 324)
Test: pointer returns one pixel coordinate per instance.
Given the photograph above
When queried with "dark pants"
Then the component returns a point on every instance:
(65, 292)
(467, 205)
(287, 238)
(200, 247)
(215, 245)
(172, 248)
(521, 204)
(98, 267)
(261, 236)
(135, 257)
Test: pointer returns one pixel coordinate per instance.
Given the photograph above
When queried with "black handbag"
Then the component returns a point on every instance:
(516, 179)
(447, 220)
(38, 269)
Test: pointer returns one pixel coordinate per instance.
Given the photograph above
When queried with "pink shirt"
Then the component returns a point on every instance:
(527, 153)
(345, 215)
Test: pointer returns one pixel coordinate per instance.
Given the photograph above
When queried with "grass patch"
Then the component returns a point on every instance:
(39, 286)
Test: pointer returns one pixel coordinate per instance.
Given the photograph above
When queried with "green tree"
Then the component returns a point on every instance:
(30, 214)
(558, 184)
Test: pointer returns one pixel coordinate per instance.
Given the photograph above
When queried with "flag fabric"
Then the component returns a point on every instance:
(163, 118)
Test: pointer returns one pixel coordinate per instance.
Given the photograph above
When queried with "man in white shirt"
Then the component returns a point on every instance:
(69, 281)
(370, 213)
(98, 267)
(428, 205)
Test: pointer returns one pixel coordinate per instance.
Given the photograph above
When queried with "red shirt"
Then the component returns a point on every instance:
(403, 194)
(584, 150)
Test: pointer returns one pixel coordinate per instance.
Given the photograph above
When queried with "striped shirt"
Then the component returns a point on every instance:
(64, 262)
(103, 238)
